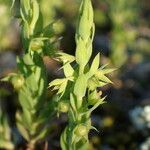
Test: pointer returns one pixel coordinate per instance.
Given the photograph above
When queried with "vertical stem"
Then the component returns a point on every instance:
(31, 146)
(46, 145)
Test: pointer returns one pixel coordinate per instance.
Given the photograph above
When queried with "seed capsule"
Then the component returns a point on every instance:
(94, 97)
(63, 107)
(17, 81)
(36, 45)
(81, 130)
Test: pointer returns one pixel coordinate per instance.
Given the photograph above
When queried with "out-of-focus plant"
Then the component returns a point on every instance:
(50, 13)
(4, 23)
(141, 50)
(145, 145)
(5, 132)
(78, 95)
(31, 80)
(140, 117)
(123, 14)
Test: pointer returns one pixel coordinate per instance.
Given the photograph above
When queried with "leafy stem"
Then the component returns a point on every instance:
(82, 97)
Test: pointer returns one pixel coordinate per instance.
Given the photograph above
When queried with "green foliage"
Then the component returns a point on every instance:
(79, 87)
(49, 13)
(4, 24)
(123, 15)
(77, 93)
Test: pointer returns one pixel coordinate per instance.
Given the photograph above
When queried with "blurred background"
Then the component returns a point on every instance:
(123, 40)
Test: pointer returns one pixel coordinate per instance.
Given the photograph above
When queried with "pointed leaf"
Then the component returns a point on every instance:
(95, 64)
(56, 82)
(68, 70)
(106, 71)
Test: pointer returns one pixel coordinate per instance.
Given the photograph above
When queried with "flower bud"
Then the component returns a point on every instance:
(17, 81)
(85, 20)
(63, 107)
(81, 130)
(94, 97)
(36, 45)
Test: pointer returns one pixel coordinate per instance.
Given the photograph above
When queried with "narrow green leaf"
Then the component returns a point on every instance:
(73, 101)
(23, 131)
(42, 134)
(63, 140)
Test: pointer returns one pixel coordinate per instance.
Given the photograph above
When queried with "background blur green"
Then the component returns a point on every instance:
(123, 39)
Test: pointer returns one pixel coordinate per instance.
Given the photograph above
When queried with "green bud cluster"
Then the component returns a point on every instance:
(35, 36)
